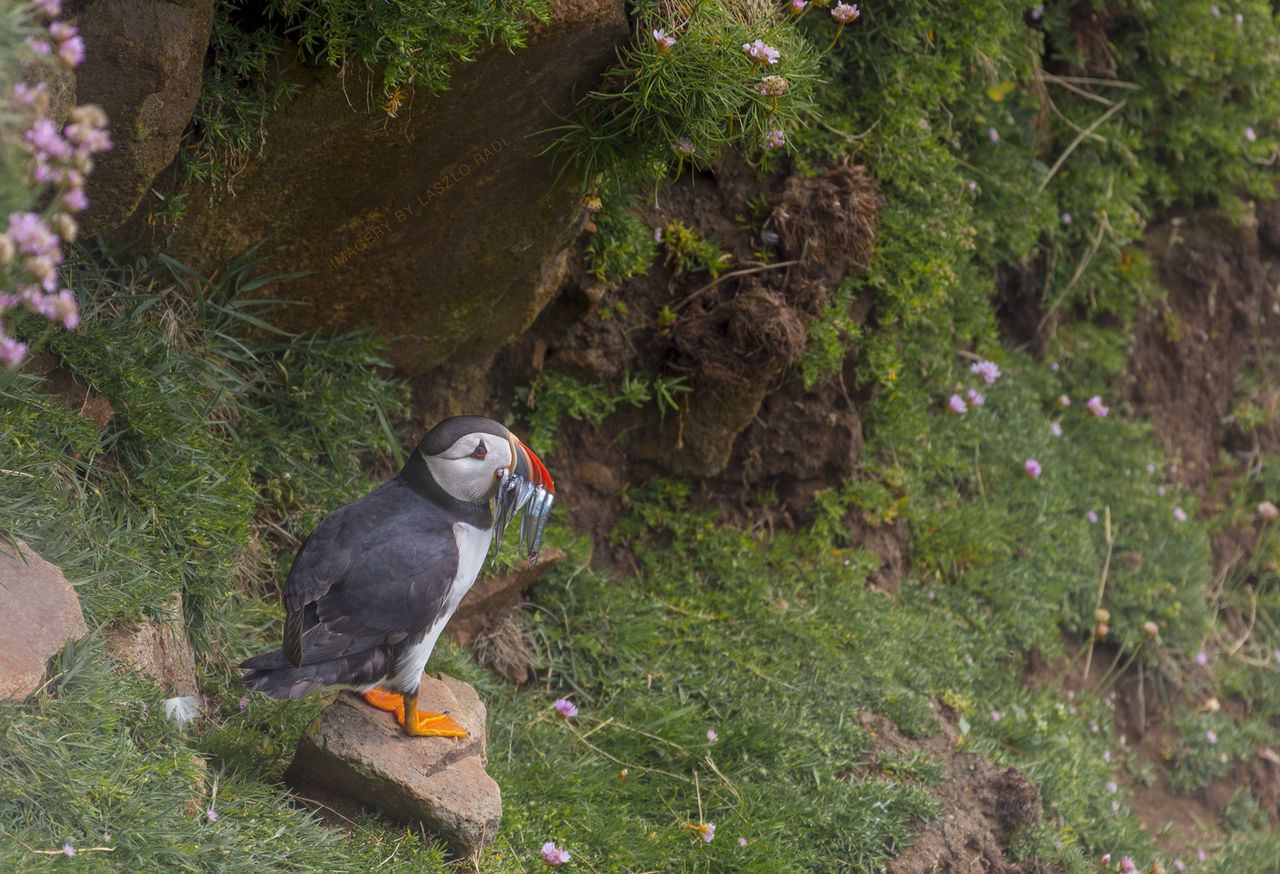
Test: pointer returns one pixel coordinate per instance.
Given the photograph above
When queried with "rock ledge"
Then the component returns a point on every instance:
(360, 754)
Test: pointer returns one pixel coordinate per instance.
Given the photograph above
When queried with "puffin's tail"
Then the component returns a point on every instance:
(273, 675)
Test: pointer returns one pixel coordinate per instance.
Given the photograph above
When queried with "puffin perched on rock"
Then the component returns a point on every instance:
(373, 586)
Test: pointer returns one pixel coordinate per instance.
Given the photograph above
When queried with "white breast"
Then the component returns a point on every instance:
(473, 546)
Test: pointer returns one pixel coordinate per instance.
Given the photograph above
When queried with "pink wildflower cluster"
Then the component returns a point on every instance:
(761, 53)
(988, 370)
(845, 12)
(31, 243)
(553, 855)
(703, 831)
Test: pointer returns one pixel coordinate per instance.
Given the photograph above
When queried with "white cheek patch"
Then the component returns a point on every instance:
(466, 479)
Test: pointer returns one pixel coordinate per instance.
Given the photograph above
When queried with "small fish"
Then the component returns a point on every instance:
(514, 494)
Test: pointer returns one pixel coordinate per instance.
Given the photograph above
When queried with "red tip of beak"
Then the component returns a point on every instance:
(537, 470)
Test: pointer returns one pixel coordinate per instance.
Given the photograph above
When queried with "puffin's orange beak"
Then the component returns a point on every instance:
(530, 466)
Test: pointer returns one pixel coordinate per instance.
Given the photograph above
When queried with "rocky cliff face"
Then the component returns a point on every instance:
(143, 66)
(437, 225)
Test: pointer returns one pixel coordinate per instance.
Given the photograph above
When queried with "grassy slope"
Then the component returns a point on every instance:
(222, 451)
(774, 643)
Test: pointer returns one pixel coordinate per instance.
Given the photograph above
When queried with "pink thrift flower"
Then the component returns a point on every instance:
(26, 93)
(742, 842)
(75, 200)
(774, 140)
(212, 814)
(39, 46)
(46, 142)
(975, 399)
(68, 850)
(1032, 467)
(565, 707)
(1249, 134)
(706, 831)
(711, 735)
(1095, 406)
(1127, 866)
(1211, 736)
(63, 309)
(797, 6)
(1055, 428)
(657, 234)
(1091, 516)
(71, 52)
(11, 352)
(1064, 401)
(956, 404)
(994, 134)
(995, 715)
(244, 702)
(30, 234)
(1066, 218)
(1106, 859)
(1202, 658)
(1216, 11)
(845, 12)
(1180, 514)
(760, 52)
(664, 42)
(1160, 491)
(49, 8)
(553, 855)
(988, 370)
(1267, 510)
(683, 146)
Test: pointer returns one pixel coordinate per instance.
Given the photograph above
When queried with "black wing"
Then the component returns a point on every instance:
(373, 572)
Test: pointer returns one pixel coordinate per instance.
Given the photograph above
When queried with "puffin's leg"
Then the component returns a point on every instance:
(423, 724)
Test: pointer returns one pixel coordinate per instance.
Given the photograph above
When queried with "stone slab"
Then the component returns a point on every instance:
(39, 613)
(358, 753)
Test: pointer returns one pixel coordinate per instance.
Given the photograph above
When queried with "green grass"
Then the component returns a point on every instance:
(230, 441)
(226, 446)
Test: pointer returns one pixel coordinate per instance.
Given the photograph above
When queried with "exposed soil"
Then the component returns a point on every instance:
(1190, 349)
(747, 428)
(984, 805)
(59, 382)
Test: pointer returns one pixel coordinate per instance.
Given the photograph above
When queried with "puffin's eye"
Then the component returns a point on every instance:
(481, 450)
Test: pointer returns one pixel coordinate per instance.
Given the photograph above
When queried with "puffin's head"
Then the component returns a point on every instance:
(465, 453)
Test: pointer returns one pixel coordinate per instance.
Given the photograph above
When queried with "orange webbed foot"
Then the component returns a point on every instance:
(420, 722)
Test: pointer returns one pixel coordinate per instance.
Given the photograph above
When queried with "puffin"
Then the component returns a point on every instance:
(374, 584)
